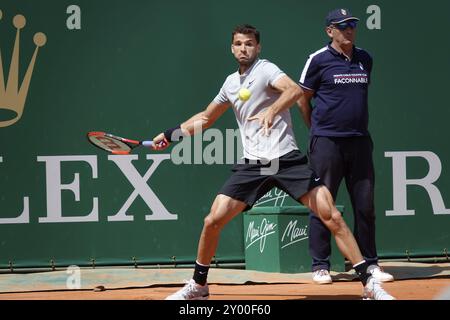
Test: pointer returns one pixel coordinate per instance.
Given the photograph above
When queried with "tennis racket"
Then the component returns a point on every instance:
(115, 144)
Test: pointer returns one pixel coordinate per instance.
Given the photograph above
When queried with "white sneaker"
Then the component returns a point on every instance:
(379, 274)
(191, 291)
(374, 291)
(322, 276)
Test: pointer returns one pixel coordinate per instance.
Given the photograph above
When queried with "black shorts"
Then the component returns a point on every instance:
(250, 182)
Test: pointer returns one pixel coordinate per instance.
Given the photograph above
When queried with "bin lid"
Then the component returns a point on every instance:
(284, 210)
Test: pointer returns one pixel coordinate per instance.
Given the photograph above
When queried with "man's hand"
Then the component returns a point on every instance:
(160, 142)
(265, 119)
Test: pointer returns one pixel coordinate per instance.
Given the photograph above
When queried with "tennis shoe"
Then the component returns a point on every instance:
(191, 291)
(322, 276)
(374, 291)
(378, 273)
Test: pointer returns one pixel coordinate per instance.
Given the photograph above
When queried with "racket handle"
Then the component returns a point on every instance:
(147, 143)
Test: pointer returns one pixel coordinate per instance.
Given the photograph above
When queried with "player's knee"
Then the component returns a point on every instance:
(339, 225)
(336, 216)
(334, 221)
(211, 223)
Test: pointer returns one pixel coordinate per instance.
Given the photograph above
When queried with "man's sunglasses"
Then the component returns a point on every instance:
(344, 25)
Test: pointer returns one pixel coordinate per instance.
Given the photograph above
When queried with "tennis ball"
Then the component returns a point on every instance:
(244, 94)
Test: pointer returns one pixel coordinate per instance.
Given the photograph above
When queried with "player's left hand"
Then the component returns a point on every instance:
(265, 119)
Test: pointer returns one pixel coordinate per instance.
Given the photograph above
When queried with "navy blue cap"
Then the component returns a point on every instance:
(338, 16)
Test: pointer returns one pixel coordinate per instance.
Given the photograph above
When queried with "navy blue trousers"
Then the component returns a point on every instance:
(350, 159)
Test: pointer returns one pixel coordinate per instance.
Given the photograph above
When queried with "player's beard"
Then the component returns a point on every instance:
(246, 63)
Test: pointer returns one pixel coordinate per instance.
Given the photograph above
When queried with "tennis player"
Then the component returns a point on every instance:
(271, 159)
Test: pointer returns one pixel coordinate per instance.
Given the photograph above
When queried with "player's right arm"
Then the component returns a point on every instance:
(305, 107)
(204, 119)
(195, 124)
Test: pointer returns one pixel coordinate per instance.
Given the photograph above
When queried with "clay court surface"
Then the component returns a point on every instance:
(414, 281)
(414, 289)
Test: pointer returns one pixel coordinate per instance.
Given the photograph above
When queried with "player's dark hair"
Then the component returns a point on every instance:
(245, 29)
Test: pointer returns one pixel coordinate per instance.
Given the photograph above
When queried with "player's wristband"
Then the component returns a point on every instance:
(168, 133)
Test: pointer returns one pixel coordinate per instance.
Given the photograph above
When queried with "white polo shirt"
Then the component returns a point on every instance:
(259, 79)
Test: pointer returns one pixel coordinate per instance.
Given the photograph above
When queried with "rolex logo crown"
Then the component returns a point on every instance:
(13, 96)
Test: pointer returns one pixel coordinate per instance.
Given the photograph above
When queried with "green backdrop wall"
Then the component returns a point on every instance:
(137, 67)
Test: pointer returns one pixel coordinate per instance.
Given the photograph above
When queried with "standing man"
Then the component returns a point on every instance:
(260, 95)
(337, 77)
